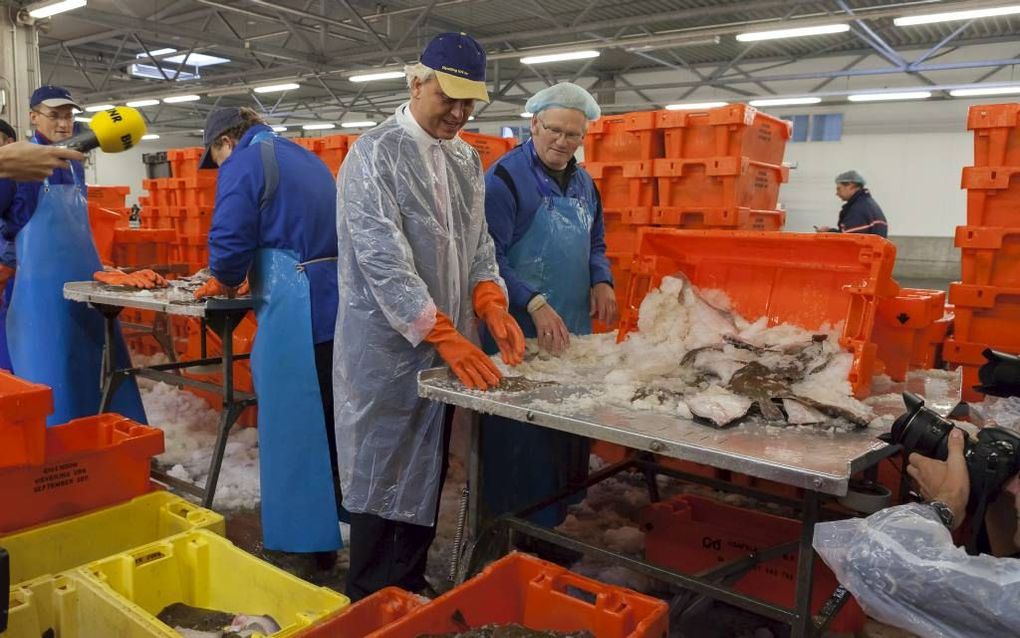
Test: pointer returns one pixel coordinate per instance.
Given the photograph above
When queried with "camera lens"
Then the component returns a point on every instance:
(921, 430)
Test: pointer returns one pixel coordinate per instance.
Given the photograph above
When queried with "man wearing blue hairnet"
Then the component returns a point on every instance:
(545, 218)
(860, 213)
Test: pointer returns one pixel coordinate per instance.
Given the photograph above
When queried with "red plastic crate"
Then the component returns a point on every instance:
(142, 247)
(691, 534)
(903, 328)
(90, 463)
(24, 407)
(368, 615)
(524, 590)
(735, 130)
(993, 196)
(490, 148)
(735, 218)
(804, 279)
(989, 256)
(624, 184)
(996, 134)
(108, 196)
(623, 138)
(720, 182)
(986, 314)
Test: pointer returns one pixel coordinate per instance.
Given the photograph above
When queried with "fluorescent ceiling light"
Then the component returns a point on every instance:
(83, 120)
(137, 104)
(381, 75)
(889, 97)
(695, 106)
(41, 10)
(756, 36)
(358, 124)
(95, 108)
(526, 114)
(279, 129)
(177, 99)
(785, 101)
(670, 44)
(150, 136)
(318, 127)
(471, 118)
(559, 57)
(952, 16)
(992, 90)
(276, 88)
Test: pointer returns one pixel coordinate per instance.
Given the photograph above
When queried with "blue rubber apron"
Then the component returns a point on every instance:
(52, 340)
(524, 463)
(5, 355)
(298, 502)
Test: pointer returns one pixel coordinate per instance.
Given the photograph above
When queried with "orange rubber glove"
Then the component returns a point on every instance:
(490, 304)
(213, 288)
(144, 279)
(6, 272)
(468, 362)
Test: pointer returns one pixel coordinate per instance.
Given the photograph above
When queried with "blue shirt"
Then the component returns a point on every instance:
(8, 188)
(862, 214)
(509, 215)
(26, 197)
(300, 217)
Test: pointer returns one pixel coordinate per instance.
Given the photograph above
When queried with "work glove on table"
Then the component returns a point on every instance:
(468, 362)
(144, 279)
(213, 288)
(490, 305)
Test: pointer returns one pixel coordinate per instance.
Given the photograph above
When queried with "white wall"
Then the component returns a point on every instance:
(127, 169)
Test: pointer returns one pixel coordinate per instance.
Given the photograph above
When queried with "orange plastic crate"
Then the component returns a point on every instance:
(104, 223)
(619, 265)
(184, 162)
(243, 340)
(928, 347)
(191, 249)
(194, 192)
(108, 196)
(90, 463)
(735, 130)
(721, 182)
(622, 239)
(804, 279)
(368, 615)
(902, 330)
(624, 184)
(990, 256)
(540, 595)
(24, 407)
(996, 134)
(691, 534)
(190, 220)
(490, 148)
(631, 216)
(735, 218)
(961, 354)
(993, 196)
(986, 314)
(623, 138)
(142, 247)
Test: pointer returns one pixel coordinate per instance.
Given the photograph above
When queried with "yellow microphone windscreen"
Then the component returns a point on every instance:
(118, 129)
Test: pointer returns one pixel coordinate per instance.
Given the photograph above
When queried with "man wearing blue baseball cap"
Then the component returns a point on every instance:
(417, 267)
(274, 224)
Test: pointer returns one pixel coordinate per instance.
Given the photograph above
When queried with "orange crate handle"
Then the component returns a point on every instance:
(606, 597)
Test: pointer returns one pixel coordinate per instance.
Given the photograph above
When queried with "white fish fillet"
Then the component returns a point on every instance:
(718, 405)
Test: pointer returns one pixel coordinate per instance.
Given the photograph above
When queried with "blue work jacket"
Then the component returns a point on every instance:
(300, 216)
(512, 198)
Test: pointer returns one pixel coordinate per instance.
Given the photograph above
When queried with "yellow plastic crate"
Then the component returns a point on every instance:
(73, 542)
(205, 570)
(69, 607)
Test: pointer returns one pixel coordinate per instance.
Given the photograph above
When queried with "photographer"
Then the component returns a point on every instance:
(904, 568)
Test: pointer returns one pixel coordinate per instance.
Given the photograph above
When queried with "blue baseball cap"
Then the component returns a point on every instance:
(52, 96)
(459, 63)
(217, 123)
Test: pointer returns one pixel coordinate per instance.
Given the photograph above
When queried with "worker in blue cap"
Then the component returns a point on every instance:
(273, 225)
(545, 218)
(860, 213)
(417, 273)
(51, 340)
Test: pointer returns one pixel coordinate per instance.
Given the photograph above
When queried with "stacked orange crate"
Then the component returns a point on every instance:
(334, 150)
(987, 300)
(490, 148)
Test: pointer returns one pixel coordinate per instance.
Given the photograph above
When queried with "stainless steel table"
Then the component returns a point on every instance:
(820, 463)
(219, 313)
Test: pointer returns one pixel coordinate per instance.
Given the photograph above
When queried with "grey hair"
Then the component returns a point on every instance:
(419, 71)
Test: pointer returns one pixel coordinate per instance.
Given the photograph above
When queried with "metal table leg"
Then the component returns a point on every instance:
(804, 626)
(110, 377)
(231, 408)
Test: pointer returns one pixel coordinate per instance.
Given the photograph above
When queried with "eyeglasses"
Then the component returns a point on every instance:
(573, 138)
(56, 117)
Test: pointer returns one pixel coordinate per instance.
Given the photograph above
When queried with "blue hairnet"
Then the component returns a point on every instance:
(565, 95)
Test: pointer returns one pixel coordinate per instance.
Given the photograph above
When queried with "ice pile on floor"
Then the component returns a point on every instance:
(695, 358)
(189, 428)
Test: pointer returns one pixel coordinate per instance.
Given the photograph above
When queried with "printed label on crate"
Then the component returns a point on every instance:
(60, 476)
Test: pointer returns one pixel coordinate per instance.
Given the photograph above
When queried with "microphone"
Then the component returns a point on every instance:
(113, 130)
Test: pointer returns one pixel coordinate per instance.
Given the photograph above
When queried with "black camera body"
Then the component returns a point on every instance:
(992, 459)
